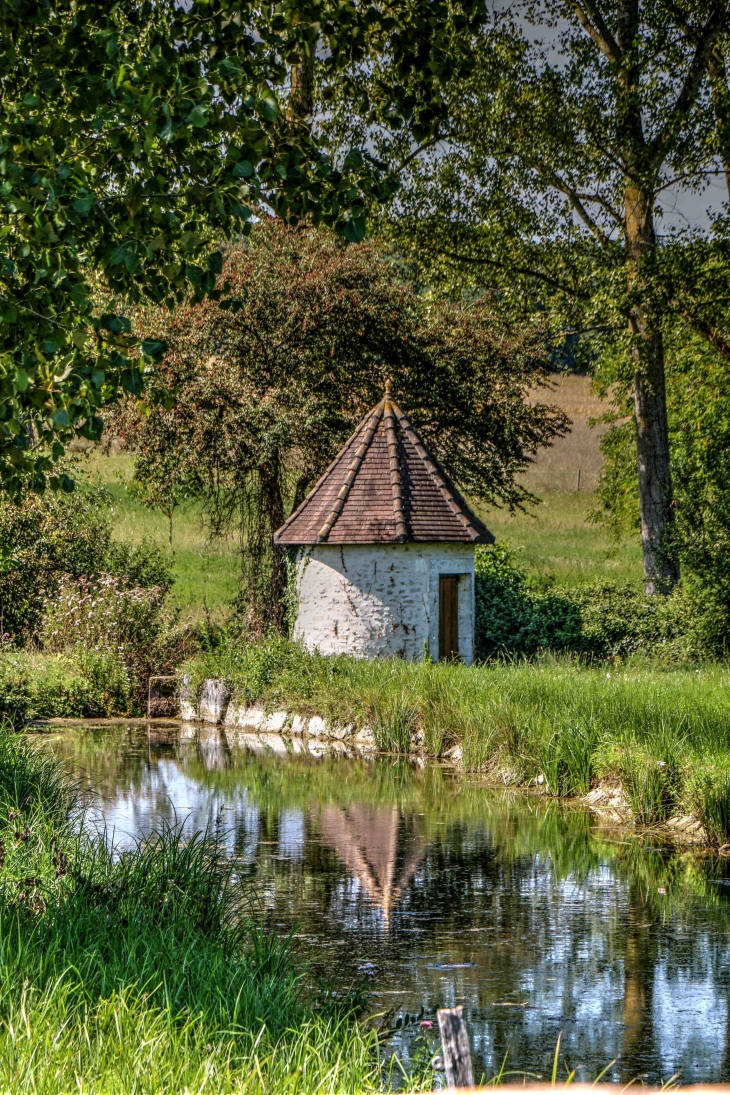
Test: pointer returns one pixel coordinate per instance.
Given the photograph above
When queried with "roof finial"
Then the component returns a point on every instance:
(388, 387)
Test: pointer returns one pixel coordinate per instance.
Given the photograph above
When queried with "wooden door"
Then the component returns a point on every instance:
(448, 617)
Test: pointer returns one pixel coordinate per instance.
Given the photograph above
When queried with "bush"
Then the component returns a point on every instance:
(107, 616)
(512, 618)
(601, 621)
(42, 539)
(139, 565)
(75, 684)
(45, 542)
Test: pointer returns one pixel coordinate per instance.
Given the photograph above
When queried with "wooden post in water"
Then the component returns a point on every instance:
(455, 1043)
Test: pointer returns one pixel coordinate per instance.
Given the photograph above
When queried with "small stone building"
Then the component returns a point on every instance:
(386, 560)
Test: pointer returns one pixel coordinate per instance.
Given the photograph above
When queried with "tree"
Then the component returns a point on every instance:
(134, 138)
(542, 187)
(267, 392)
(698, 400)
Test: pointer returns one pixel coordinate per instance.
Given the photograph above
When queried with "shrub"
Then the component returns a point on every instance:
(139, 565)
(75, 684)
(42, 539)
(512, 618)
(106, 615)
(600, 621)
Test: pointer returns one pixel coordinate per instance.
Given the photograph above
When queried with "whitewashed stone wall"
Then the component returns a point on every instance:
(381, 600)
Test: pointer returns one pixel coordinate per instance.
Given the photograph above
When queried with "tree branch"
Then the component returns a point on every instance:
(575, 201)
(687, 97)
(525, 270)
(603, 203)
(593, 24)
(421, 148)
(703, 328)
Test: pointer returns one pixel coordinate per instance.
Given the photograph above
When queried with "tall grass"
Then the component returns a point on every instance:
(145, 971)
(664, 735)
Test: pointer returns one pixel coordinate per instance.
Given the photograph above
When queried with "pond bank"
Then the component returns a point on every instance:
(147, 971)
(662, 737)
(422, 888)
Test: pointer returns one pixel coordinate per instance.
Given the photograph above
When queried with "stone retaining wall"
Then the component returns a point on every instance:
(214, 706)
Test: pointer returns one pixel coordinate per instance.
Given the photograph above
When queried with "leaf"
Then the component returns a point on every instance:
(67, 484)
(243, 170)
(84, 204)
(132, 381)
(269, 107)
(354, 230)
(61, 419)
(198, 117)
(353, 160)
(153, 347)
(21, 380)
(229, 67)
(116, 324)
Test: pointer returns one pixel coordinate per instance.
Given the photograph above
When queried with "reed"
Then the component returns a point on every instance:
(555, 724)
(145, 971)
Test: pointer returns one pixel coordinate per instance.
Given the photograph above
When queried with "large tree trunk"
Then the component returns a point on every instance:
(721, 103)
(661, 569)
(301, 94)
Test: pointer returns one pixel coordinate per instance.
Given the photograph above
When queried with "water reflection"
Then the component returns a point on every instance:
(376, 846)
(441, 892)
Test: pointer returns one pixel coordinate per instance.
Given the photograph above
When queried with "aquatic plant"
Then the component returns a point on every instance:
(146, 970)
(553, 723)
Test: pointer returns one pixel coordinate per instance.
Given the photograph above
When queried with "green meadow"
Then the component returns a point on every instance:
(555, 539)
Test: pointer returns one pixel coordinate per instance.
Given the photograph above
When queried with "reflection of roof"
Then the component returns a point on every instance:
(366, 838)
(384, 487)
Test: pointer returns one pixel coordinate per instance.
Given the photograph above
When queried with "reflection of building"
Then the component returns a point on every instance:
(386, 561)
(213, 749)
(376, 848)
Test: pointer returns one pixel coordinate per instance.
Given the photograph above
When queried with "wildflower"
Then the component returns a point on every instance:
(426, 1024)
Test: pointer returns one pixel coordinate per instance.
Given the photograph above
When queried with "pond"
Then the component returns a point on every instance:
(432, 890)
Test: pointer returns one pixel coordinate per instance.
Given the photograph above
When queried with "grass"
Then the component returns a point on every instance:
(664, 735)
(555, 540)
(143, 972)
(205, 571)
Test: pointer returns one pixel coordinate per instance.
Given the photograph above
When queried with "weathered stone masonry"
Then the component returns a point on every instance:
(382, 600)
(386, 549)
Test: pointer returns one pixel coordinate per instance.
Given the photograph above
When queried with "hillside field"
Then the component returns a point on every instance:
(555, 539)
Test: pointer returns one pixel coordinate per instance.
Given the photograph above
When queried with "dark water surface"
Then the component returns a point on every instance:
(436, 891)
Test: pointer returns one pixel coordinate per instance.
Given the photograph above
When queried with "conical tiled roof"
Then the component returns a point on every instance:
(384, 487)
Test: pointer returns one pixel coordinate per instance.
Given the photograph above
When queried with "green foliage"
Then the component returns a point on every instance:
(78, 683)
(106, 616)
(268, 391)
(135, 137)
(519, 617)
(143, 565)
(512, 617)
(561, 726)
(52, 543)
(43, 539)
